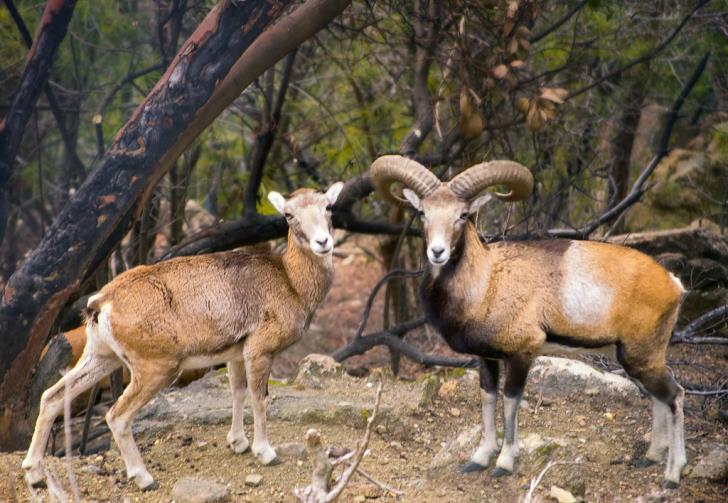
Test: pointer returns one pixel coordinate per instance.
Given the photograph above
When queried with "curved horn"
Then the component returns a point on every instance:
(389, 169)
(474, 180)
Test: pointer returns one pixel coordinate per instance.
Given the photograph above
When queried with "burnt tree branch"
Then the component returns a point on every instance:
(78, 167)
(51, 31)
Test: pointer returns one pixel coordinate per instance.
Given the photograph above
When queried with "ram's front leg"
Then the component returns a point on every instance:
(258, 362)
(517, 371)
(488, 447)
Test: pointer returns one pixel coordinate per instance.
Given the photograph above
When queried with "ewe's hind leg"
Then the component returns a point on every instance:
(236, 438)
(90, 369)
(664, 390)
(257, 367)
(517, 372)
(146, 381)
(488, 446)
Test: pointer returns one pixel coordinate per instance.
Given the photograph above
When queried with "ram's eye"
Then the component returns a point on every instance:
(330, 207)
(464, 215)
(288, 216)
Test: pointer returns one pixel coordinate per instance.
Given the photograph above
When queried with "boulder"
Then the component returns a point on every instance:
(199, 490)
(315, 368)
(563, 374)
(712, 466)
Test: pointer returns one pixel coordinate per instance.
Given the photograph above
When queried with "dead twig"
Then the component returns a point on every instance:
(537, 480)
(320, 490)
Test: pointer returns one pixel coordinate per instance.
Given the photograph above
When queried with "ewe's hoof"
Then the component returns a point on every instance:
(472, 466)
(239, 446)
(267, 456)
(35, 476)
(275, 461)
(144, 481)
(669, 484)
(500, 472)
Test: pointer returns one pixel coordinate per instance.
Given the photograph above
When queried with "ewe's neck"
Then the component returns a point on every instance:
(309, 274)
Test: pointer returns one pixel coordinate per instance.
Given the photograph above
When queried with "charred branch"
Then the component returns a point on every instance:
(51, 31)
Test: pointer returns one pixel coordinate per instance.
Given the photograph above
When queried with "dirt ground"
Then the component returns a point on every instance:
(598, 435)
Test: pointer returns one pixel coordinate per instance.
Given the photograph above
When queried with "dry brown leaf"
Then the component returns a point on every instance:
(555, 94)
(512, 9)
(518, 63)
(522, 104)
(500, 71)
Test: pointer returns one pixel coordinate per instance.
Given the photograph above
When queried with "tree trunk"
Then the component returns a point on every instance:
(92, 223)
(51, 31)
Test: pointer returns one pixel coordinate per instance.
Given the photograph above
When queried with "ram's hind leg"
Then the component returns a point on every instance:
(488, 447)
(517, 371)
(90, 369)
(668, 419)
(147, 379)
(236, 438)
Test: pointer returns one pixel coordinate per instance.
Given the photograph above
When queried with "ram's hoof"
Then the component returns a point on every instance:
(275, 461)
(500, 472)
(472, 466)
(643, 462)
(670, 484)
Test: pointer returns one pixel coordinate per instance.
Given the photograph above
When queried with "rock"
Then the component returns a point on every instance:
(253, 480)
(294, 450)
(198, 490)
(430, 387)
(455, 451)
(448, 390)
(565, 374)
(532, 442)
(395, 445)
(712, 466)
(314, 368)
(454, 412)
(561, 495)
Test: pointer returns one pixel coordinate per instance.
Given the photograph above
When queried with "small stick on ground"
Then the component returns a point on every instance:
(320, 490)
(537, 480)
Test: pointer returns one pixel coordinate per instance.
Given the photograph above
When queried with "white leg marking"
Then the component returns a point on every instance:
(509, 451)
(488, 442)
(659, 436)
(676, 458)
(236, 438)
(89, 369)
(261, 448)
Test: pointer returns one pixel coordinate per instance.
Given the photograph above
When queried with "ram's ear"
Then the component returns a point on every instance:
(478, 202)
(333, 193)
(278, 201)
(413, 198)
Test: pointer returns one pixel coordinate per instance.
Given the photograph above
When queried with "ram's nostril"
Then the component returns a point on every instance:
(323, 242)
(437, 251)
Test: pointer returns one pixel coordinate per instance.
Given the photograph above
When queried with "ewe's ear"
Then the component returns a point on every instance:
(277, 200)
(333, 193)
(413, 198)
(480, 201)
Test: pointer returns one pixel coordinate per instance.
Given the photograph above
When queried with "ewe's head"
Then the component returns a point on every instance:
(308, 213)
(445, 206)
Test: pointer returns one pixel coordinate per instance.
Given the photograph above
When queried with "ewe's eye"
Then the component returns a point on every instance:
(288, 216)
(330, 207)
(464, 215)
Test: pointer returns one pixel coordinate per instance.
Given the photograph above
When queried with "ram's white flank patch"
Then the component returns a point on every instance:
(93, 298)
(585, 297)
(677, 282)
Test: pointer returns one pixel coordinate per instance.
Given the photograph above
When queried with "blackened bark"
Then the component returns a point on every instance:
(51, 31)
(102, 209)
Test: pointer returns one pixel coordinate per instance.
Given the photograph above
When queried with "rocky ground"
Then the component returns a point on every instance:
(592, 424)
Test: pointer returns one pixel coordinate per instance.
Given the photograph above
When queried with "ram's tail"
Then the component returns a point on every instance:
(92, 309)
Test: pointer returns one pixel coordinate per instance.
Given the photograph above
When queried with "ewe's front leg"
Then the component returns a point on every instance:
(257, 367)
(517, 368)
(488, 446)
(236, 438)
